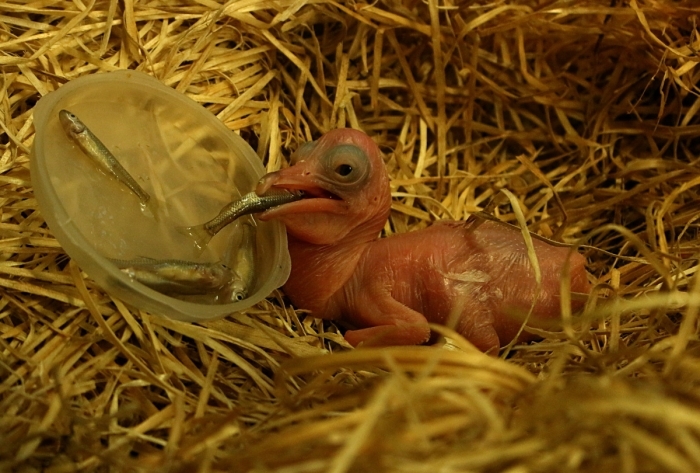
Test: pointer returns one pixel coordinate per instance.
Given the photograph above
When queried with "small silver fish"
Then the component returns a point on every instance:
(98, 152)
(176, 276)
(248, 204)
(244, 263)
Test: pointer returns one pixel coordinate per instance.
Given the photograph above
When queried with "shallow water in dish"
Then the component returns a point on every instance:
(186, 169)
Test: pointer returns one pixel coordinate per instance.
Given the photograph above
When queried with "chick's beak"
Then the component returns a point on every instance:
(299, 177)
(267, 182)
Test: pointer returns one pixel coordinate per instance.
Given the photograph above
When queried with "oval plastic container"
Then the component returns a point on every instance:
(183, 156)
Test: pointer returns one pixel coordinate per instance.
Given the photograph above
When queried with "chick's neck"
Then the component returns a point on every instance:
(319, 271)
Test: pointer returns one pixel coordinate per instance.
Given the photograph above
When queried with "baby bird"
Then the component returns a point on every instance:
(476, 277)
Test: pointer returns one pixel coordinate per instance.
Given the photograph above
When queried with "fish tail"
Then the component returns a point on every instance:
(198, 233)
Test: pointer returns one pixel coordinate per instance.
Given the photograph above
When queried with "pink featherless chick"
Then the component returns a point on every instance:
(389, 289)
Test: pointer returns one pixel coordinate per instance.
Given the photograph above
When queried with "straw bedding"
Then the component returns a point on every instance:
(587, 112)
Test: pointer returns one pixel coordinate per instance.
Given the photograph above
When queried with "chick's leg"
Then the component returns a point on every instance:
(484, 338)
(389, 323)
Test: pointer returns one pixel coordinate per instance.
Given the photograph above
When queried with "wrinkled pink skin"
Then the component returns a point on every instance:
(388, 289)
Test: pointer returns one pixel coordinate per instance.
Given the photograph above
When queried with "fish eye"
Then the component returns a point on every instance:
(238, 296)
(76, 126)
(346, 165)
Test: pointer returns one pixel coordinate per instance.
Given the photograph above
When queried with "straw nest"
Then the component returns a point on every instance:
(587, 112)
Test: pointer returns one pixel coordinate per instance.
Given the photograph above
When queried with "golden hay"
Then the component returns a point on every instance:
(587, 112)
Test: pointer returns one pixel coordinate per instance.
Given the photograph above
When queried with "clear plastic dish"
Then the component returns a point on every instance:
(185, 158)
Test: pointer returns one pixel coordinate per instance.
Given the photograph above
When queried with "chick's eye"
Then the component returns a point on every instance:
(343, 170)
(346, 164)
